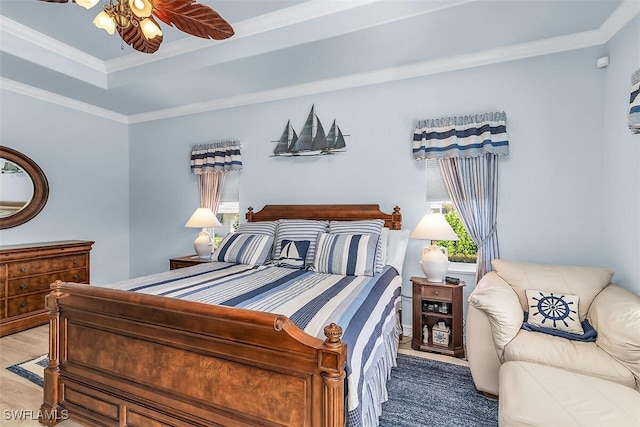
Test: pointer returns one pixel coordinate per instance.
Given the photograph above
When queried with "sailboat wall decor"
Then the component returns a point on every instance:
(312, 141)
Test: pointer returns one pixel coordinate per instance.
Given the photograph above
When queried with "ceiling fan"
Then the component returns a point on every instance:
(135, 24)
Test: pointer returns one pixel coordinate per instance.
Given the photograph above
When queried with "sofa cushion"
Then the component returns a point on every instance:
(537, 395)
(575, 356)
(586, 282)
(615, 313)
(555, 311)
(498, 301)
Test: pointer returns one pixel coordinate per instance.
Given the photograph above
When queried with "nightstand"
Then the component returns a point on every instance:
(434, 303)
(185, 261)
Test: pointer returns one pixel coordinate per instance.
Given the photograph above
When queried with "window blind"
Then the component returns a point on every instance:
(436, 189)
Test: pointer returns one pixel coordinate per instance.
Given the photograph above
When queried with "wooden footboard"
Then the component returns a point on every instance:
(126, 359)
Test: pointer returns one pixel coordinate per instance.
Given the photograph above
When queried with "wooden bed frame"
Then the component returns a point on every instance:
(119, 358)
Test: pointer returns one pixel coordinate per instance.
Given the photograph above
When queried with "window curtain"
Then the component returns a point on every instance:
(467, 149)
(211, 162)
(634, 103)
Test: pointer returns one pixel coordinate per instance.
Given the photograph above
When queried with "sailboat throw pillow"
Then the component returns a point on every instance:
(293, 253)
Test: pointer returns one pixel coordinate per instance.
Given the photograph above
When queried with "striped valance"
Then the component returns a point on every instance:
(222, 156)
(634, 103)
(461, 136)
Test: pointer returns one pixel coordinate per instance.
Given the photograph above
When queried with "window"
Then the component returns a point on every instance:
(229, 207)
(463, 250)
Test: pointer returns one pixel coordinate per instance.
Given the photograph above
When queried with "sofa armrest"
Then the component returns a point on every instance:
(484, 362)
(500, 303)
(615, 314)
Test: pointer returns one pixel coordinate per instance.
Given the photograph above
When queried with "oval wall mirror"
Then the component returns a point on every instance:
(24, 188)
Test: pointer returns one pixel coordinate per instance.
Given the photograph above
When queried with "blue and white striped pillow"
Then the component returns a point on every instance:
(261, 227)
(366, 226)
(347, 254)
(240, 248)
(299, 229)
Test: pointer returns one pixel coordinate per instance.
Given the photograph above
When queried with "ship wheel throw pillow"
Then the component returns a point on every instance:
(554, 310)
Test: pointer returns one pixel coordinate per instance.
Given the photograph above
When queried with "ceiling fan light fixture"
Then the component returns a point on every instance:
(149, 29)
(137, 21)
(87, 4)
(106, 22)
(141, 8)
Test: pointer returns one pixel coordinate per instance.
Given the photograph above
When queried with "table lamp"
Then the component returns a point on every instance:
(435, 259)
(203, 218)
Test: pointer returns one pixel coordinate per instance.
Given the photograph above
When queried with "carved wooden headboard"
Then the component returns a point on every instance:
(326, 212)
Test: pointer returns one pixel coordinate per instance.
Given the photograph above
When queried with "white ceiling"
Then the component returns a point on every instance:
(281, 49)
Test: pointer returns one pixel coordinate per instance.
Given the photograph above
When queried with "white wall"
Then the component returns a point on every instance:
(621, 157)
(85, 159)
(550, 186)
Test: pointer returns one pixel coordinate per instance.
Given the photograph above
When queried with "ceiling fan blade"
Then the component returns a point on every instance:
(56, 1)
(192, 18)
(133, 36)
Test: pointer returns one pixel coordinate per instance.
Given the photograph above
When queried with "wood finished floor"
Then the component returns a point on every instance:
(19, 394)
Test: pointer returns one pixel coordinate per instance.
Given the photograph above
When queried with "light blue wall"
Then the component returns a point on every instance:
(129, 187)
(551, 185)
(621, 156)
(85, 159)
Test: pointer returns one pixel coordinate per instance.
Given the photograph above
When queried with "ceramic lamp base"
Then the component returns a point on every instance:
(435, 263)
(203, 245)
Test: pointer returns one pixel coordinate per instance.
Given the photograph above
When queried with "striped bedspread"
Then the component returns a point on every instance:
(365, 308)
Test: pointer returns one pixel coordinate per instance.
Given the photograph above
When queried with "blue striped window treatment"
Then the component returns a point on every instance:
(210, 162)
(467, 149)
(222, 156)
(634, 103)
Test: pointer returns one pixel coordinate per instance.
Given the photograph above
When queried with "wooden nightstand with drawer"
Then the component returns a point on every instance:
(27, 271)
(186, 261)
(435, 303)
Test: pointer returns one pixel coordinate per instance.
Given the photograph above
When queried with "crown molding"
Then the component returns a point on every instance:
(386, 75)
(43, 41)
(620, 17)
(299, 13)
(627, 10)
(54, 98)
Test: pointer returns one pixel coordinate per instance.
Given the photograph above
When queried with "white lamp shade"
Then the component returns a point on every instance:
(203, 218)
(149, 28)
(104, 21)
(434, 227)
(141, 8)
(87, 4)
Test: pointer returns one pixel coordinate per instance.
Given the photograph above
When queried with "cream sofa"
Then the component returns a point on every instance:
(535, 361)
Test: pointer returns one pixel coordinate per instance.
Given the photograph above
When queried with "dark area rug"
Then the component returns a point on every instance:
(425, 392)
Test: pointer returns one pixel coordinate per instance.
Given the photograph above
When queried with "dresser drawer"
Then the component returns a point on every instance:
(25, 304)
(46, 265)
(42, 282)
(437, 293)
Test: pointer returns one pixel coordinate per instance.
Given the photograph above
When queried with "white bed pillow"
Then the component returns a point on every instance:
(396, 247)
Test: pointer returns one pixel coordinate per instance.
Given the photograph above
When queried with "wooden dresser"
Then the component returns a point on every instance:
(27, 270)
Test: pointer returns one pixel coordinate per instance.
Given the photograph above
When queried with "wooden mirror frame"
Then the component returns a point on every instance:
(40, 188)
